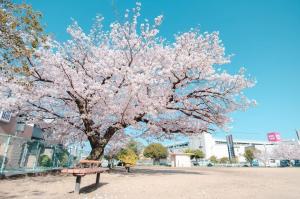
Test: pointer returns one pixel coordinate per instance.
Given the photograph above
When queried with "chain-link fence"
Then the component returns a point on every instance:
(19, 155)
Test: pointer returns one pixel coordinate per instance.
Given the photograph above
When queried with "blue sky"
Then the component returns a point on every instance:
(264, 37)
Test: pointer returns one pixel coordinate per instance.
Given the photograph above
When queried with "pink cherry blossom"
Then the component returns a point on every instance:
(96, 84)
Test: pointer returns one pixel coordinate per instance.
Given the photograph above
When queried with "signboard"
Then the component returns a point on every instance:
(298, 134)
(230, 147)
(274, 137)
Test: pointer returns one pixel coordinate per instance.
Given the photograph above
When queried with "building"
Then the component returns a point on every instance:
(21, 145)
(10, 125)
(180, 160)
(218, 147)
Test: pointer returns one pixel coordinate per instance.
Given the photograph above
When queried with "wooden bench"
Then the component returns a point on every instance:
(85, 167)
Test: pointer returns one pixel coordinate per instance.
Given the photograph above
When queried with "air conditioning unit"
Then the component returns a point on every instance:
(5, 116)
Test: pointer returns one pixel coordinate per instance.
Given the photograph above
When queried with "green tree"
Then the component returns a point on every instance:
(132, 144)
(224, 160)
(20, 35)
(213, 159)
(156, 151)
(190, 151)
(197, 154)
(135, 146)
(249, 155)
(127, 157)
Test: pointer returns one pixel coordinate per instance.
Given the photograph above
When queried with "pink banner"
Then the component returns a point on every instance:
(274, 137)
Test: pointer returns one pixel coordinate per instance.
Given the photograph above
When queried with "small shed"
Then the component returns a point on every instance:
(181, 159)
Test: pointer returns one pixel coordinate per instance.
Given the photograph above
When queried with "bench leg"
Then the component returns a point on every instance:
(77, 185)
(97, 179)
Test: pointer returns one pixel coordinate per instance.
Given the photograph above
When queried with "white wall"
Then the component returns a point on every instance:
(180, 160)
(220, 150)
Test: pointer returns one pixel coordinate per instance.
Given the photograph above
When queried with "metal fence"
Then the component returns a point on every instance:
(21, 155)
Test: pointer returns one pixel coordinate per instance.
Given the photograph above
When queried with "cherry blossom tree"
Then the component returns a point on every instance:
(96, 84)
(263, 155)
(286, 151)
(114, 146)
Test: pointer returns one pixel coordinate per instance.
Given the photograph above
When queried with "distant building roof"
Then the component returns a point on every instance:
(222, 141)
(236, 141)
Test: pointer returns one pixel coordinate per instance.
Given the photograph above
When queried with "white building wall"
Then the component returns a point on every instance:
(180, 160)
(220, 150)
(209, 145)
(239, 152)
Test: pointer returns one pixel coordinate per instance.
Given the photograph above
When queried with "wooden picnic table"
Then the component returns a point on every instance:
(85, 167)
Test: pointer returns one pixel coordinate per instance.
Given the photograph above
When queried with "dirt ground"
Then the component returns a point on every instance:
(163, 182)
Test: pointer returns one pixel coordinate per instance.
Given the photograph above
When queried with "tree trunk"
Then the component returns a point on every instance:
(96, 153)
(127, 169)
(156, 161)
(98, 143)
(109, 164)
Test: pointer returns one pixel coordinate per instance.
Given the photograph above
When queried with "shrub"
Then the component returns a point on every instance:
(45, 161)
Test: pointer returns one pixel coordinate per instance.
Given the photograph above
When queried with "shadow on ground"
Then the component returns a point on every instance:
(154, 171)
(22, 194)
(90, 188)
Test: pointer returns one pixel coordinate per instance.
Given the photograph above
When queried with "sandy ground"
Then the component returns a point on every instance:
(163, 182)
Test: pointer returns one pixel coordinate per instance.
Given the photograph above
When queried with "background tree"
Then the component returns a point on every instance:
(249, 155)
(189, 151)
(224, 160)
(135, 146)
(234, 160)
(128, 158)
(115, 145)
(197, 153)
(213, 159)
(97, 84)
(156, 152)
(263, 156)
(20, 35)
(110, 159)
(286, 151)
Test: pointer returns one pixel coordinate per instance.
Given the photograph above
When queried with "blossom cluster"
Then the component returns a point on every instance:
(126, 76)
